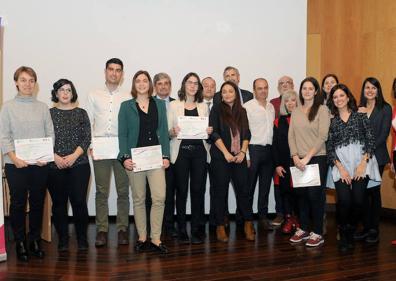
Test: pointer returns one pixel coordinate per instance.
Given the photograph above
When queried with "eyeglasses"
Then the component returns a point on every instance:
(67, 90)
(191, 83)
(281, 83)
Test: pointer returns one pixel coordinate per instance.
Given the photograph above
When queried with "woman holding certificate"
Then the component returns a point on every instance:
(25, 118)
(230, 138)
(69, 174)
(309, 126)
(142, 124)
(350, 149)
(189, 155)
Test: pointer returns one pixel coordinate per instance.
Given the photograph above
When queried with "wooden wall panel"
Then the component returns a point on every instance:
(358, 39)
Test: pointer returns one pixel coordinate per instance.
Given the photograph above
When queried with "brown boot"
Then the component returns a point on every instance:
(249, 231)
(221, 234)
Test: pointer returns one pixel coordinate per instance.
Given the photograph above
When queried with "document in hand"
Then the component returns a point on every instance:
(309, 177)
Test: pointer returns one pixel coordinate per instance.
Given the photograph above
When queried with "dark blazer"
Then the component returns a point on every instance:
(246, 96)
(381, 121)
(280, 142)
(223, 131)
(129, 124)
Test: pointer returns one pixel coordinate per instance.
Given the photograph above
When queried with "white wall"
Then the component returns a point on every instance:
(73, 39)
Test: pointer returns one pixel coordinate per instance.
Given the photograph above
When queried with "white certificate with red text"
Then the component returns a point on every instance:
(192, 127)
(34, 150)
(147, 158)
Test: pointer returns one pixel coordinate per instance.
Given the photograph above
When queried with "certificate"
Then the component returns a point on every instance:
(147, 158)
(192, 127)
(309, 177)
(105, 148)
(34, 150)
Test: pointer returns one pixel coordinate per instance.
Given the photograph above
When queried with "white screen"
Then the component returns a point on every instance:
(73, 39)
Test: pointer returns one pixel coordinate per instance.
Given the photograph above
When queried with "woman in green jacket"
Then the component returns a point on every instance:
(142, 122)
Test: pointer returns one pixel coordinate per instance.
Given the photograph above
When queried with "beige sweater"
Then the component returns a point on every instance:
(305, 135)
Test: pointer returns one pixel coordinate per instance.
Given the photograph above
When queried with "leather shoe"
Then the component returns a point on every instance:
(35, 249)
(196, 239)
(123, 238)
(63, 244)
(82, 244)
(161, 248)
(141, 246)
(101, 239)
(21, 251)
(221, 234)
(372, 236)
(361, 235)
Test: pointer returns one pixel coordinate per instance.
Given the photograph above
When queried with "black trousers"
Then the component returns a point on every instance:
(373, 205)
(31, 180)
(350, 201)
(190, 165)
(286, 194)
(261, 168)
(224, 173)
(71, 185)
(312, 200)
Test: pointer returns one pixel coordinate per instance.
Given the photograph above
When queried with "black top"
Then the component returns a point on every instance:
(72, 129)
(223, 131)
(280, 142)
(192, 112)
(381, 122)
(356, 129)
(246, 96)
(148, 125)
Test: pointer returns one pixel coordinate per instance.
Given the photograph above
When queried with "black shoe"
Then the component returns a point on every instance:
(361, 235)
(35, 249)
(21, 251)
(63, 244)
(183, 237)
(372, 236)
(161, 248)
(82, 244)
(170, 231)
(196, 239)
(101, 239)
(141, 246)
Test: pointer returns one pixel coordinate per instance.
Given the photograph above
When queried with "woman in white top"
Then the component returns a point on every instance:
(189, 157)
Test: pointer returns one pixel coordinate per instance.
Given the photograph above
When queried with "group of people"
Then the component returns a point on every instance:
(249, 139)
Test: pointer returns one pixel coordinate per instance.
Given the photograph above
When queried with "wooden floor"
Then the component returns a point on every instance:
(271, 257)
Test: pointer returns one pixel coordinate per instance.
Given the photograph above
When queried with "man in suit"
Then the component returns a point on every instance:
(232, 74)
(162, 88)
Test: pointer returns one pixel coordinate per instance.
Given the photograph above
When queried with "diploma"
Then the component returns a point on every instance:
(105, 148)
(147, 158)
(309, 177)
(192, 127)
(34, 150)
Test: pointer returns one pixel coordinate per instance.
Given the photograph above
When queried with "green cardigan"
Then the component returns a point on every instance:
(129, 124)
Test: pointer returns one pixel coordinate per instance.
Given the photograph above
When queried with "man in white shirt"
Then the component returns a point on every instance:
(261, 116)
(103, 106)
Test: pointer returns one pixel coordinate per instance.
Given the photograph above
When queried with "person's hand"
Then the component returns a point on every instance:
(305, 160)
(60, 162)
(209, 130)
(297, 162)
(165, 163)
(360, 171)
(344, 175)
(41, 163)
(229, 157)
(175, 131)
(362, 109)
(70, 159)
(279, 171)
(128, 164)
(239, 157)
(19, 163)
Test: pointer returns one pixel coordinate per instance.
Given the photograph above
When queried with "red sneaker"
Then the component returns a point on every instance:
(394, 242)
(288, 226)
(299, 236)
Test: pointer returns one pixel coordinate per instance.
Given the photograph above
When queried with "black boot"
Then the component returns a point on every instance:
(343, 242)
(63, 244)
(35, 249)
(21, 251)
